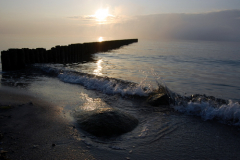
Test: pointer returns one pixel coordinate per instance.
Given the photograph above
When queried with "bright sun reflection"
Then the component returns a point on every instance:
(98, 70)
(100, 39)
(91, 104)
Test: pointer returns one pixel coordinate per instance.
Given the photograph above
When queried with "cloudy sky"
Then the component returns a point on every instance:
(114, 19)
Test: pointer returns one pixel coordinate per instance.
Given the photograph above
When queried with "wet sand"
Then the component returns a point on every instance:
(31, 128)
(34, 129)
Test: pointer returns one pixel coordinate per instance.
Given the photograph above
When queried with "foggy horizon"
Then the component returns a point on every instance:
(23, 24)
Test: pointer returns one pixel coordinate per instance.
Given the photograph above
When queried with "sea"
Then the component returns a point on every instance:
(122, 78)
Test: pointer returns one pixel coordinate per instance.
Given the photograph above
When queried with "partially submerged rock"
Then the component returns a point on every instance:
(106, 122)
(159, 99)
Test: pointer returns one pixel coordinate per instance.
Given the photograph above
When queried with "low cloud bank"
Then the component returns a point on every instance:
(211, 26)
(214, 26)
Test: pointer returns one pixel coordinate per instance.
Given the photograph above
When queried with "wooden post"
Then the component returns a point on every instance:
(13, 59)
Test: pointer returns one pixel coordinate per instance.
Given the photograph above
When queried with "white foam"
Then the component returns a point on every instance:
(227, 113)
(106, 85)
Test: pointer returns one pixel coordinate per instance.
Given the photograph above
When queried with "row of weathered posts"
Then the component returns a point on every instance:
(14, 59)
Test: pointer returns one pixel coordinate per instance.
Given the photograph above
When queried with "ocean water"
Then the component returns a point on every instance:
(211, 68)
(184, 67)
(119, 78)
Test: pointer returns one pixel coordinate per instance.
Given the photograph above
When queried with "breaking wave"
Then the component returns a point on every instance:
(207, 107)
(227, 112)
(104, 84)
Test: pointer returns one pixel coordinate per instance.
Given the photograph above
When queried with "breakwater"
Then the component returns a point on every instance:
(14, 59)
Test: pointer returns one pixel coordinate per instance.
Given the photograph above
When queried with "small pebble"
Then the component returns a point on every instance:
(130, 151)
(35, 146)
(127, 158)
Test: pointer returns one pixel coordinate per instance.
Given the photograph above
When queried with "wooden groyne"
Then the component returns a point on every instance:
(14, 59)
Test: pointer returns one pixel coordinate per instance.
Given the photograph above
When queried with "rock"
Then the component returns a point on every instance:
(159, 99)
(106, 122)
(35, 146)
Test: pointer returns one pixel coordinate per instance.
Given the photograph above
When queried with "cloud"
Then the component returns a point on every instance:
(101, 16)
(213, 26)
(83, 18)
(210, 26)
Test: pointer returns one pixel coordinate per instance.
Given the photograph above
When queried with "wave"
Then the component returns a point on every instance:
(104, 84)
(207, 107)
(227, 112)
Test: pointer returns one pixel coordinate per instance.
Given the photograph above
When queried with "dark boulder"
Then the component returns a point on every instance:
(159, 99)
(106, 122)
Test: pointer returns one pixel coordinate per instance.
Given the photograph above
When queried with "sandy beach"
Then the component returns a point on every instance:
(33, 129)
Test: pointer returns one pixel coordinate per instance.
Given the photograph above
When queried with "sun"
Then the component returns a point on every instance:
(100, 39)
(101, 14)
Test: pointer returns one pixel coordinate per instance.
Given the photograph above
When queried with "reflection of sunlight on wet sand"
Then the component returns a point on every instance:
(98, 70)
(92, 104)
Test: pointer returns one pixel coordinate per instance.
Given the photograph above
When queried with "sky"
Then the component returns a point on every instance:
(69, 21)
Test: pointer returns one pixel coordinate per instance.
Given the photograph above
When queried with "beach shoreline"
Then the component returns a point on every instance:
(34, 129)
(30, 127)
